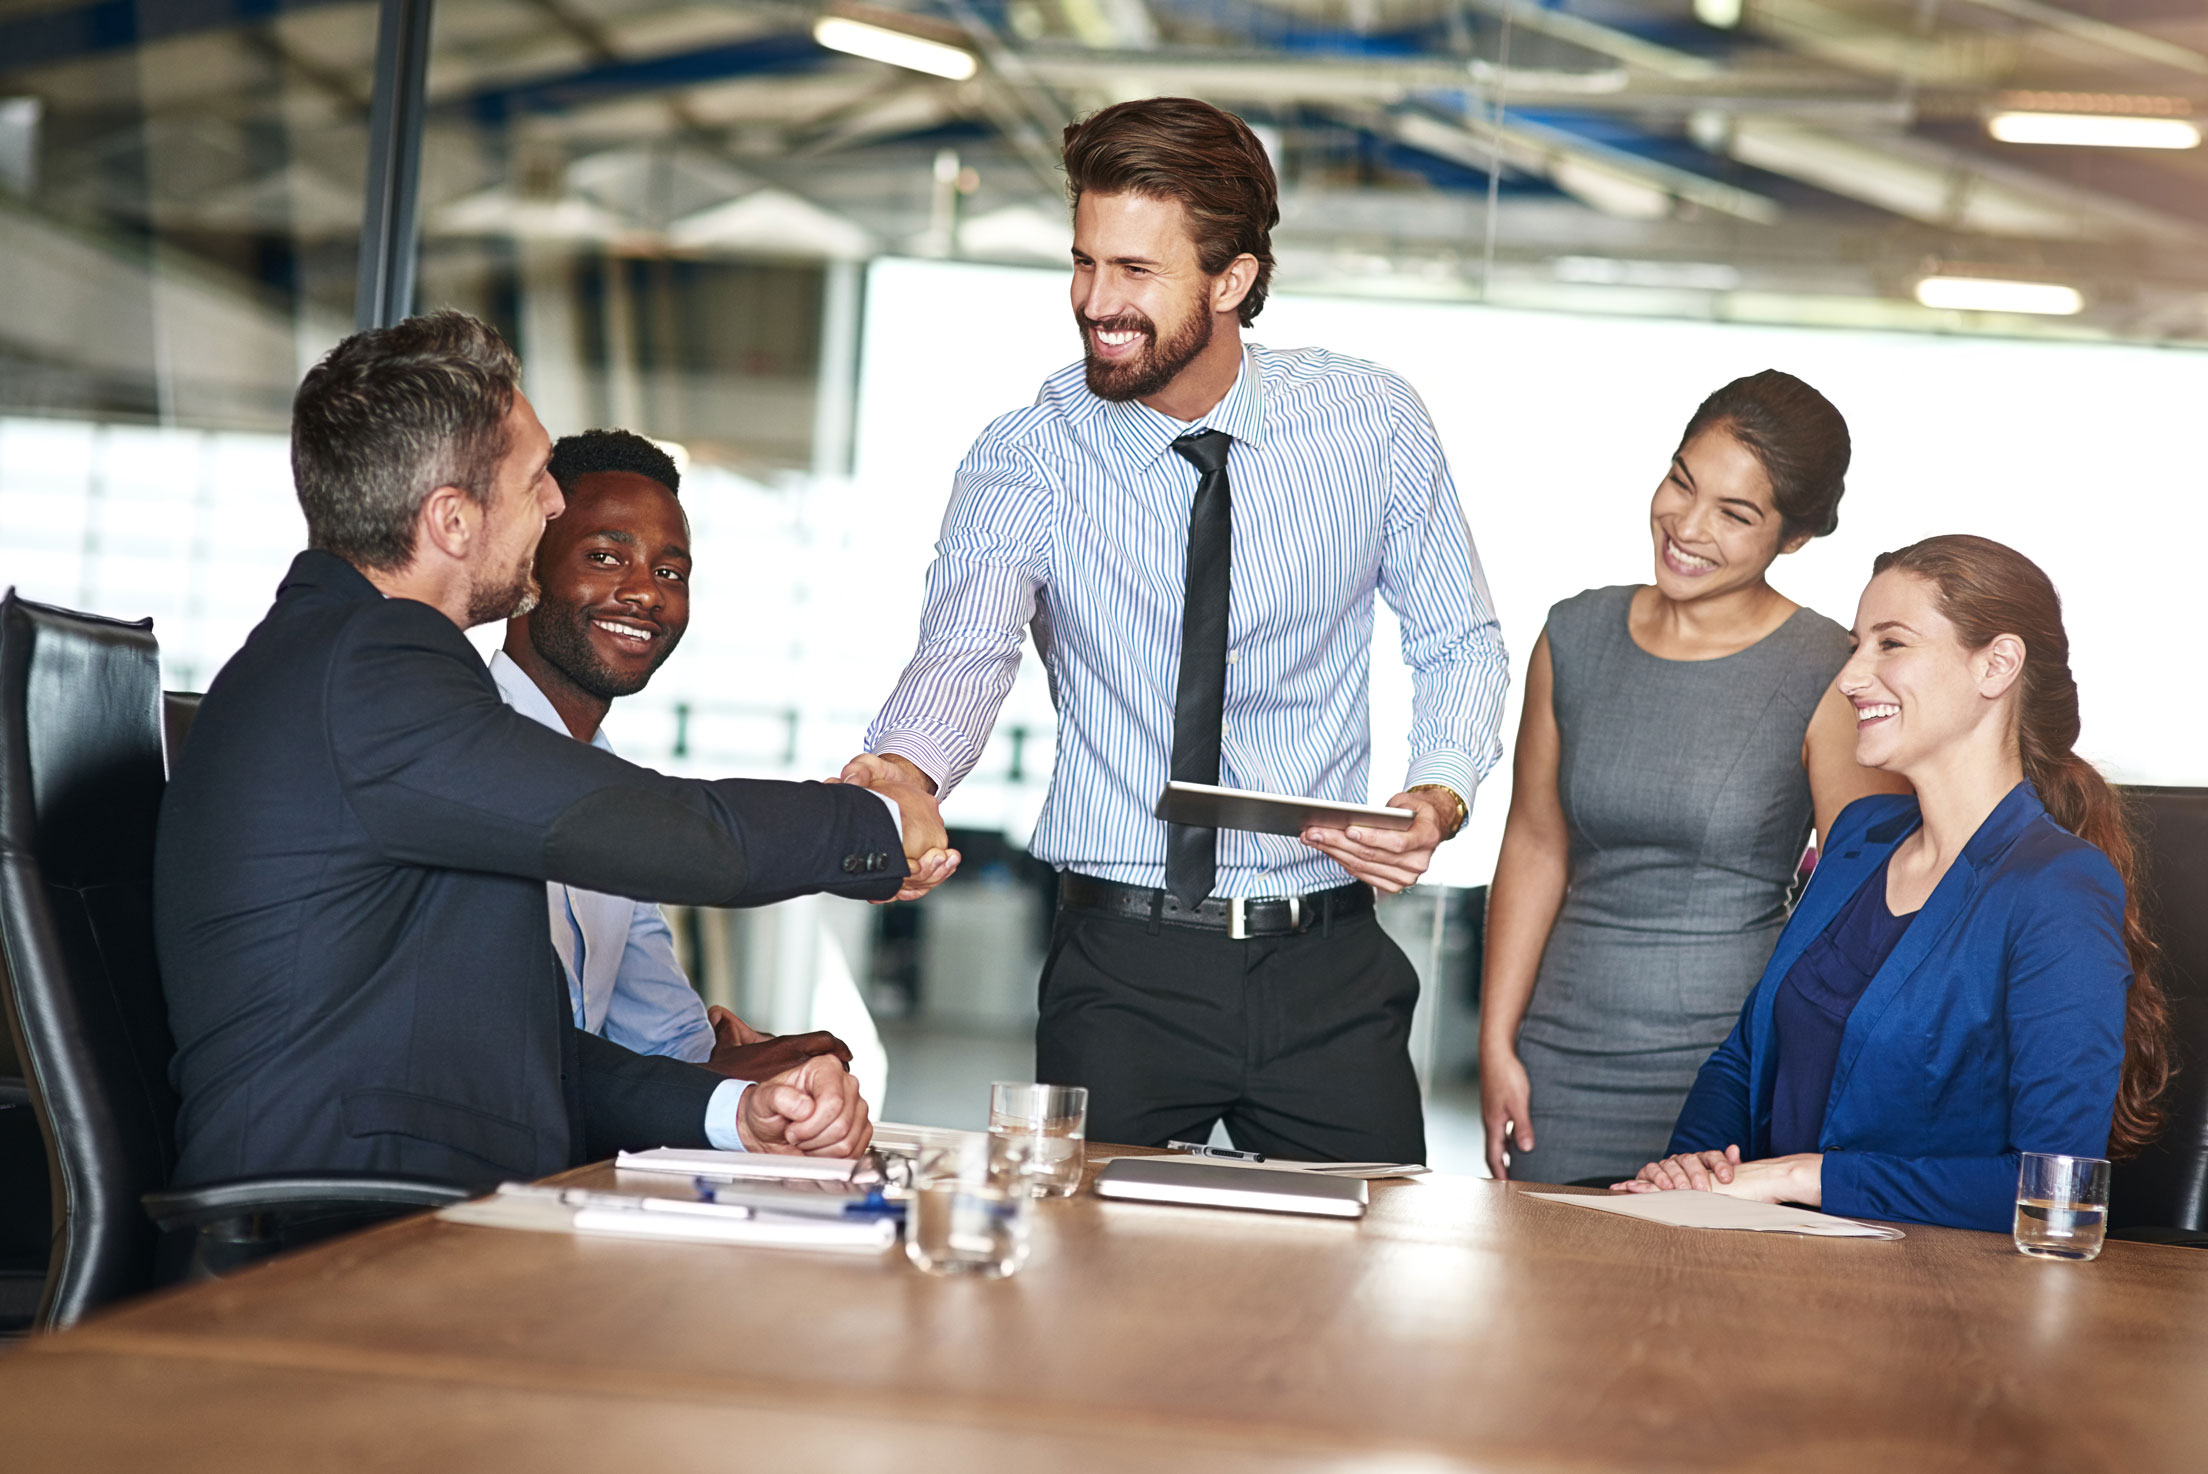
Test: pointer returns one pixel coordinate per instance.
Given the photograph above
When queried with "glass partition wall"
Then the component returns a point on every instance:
(750, 229)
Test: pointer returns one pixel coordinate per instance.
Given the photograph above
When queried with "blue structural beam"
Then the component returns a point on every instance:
(793, 52)
(47, 37)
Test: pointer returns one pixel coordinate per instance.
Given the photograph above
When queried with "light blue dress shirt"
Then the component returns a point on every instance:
(1070, 517)
(622, 976)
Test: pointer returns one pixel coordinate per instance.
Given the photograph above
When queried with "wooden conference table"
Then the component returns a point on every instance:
(1460, 1326)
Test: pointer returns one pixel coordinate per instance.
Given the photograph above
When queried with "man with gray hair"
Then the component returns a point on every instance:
(349, 878)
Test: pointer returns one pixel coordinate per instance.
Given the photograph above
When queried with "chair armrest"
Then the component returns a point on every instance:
(213, 1202)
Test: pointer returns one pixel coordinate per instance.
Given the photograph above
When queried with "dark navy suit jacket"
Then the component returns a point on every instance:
(349, 903)
(1996, 1026)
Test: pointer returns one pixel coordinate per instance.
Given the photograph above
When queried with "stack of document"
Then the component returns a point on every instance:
(1683, 1208)
(580, 1210)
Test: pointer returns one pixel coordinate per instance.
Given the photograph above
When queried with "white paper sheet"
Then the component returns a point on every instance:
(732, 1166)
(544, 1210)
(1688, 1209)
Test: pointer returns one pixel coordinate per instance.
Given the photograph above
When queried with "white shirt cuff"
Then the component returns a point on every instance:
(720, 1115)
(896, 816)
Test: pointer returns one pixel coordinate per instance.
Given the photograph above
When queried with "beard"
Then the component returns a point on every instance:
(508, 598)
(1150, 370)
(560, 632)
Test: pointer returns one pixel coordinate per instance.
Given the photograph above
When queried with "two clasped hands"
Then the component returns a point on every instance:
(805, 1100)
(1798, 1178)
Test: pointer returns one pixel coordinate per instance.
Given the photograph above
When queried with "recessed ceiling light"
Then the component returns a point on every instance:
(1990, 294)
(2093, 130)
(1723, 14)
(898, 48)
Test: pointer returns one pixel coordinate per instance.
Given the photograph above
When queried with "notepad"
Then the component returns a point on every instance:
(732, 1166)
(1688, 1209)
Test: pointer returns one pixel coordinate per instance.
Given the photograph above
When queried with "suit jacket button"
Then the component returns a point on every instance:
(850, 864)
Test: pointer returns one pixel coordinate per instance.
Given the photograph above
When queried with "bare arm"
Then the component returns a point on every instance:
(1828, 757)
(1522, 903)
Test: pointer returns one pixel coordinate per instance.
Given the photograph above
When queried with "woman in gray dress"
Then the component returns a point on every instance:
(1679, 741)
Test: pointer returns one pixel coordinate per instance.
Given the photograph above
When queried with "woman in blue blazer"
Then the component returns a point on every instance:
(1966, 977)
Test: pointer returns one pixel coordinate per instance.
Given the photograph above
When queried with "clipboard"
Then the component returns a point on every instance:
(1207, 806)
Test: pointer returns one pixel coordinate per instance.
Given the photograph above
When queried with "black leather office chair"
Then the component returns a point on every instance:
(80, 790)
(177, 710)
(2162, 1194)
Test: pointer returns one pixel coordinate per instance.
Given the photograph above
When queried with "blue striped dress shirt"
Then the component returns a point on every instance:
(1070, 517)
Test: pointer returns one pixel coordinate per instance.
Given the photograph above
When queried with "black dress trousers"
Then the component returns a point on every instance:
(1301, 1044)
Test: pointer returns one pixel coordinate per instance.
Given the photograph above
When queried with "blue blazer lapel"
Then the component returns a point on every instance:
(1840, 874)
(1948, 901)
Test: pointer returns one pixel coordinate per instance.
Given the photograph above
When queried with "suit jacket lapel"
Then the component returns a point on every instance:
(1948, 901)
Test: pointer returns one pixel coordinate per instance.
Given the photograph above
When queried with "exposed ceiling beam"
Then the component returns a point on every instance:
(2114, 39)
(1602, 176)
(1939, 185)
(48, 37)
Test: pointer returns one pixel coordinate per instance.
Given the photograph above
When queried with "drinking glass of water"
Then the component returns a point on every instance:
(1049, 1126)
(969, 1210)
(2061, 1205)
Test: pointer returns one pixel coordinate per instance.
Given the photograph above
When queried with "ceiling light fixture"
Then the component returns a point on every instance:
(2093, 130)
(1723, 14)
(898, 48)
(1989, 294)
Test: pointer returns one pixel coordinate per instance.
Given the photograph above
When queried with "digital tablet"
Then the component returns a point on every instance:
(1209, 807)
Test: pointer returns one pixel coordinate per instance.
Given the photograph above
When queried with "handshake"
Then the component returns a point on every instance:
(928, 852)
(804, 1100)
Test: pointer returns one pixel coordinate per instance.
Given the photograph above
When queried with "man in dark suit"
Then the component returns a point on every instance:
(349, 882)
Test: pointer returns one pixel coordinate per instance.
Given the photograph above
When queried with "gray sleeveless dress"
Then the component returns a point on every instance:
(1688, 810)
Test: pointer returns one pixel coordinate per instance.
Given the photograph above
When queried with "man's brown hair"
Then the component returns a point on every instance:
(1176, 148)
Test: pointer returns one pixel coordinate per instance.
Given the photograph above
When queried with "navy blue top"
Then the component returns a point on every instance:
(1811, 1010)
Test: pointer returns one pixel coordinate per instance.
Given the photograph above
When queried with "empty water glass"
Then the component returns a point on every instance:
(969, 1209)
(1049, 1126)
(2061, 1205)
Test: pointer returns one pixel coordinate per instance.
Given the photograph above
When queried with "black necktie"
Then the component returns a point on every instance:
(1191, 854)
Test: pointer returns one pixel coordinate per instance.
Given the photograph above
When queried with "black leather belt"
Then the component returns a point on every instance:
(1262, 916)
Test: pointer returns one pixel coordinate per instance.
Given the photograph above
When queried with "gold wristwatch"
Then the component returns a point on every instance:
(1464, 810)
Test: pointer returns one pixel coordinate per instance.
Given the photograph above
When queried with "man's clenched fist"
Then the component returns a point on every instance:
(813, 1110)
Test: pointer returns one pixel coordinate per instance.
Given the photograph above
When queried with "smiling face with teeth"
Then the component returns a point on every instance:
(1715, 525)
(615, 574)
(1154, 325)
(1920, 697)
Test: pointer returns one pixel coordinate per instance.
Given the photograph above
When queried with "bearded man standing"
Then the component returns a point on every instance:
(1196, 975)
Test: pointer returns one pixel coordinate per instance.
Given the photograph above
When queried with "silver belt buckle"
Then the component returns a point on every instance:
(1238, 916)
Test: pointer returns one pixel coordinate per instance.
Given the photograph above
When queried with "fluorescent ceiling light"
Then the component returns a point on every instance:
(2093, 130)
(898, 48)
(1986, 294)
(1723, 14)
